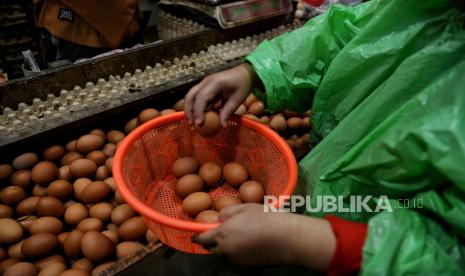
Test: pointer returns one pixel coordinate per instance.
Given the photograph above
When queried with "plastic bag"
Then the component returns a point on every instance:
(386, 83)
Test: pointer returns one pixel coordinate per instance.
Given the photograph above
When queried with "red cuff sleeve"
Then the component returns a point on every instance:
(350, 238)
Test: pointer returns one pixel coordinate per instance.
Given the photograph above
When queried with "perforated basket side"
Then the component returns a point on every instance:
(146, 158)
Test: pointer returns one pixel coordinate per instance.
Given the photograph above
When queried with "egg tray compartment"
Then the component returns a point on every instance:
(147, 169)
(54, 80)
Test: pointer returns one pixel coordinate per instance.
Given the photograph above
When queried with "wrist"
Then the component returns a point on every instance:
(314, 243)
(250, 75)
(253, 77)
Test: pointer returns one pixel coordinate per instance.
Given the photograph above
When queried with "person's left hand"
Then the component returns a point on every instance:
(250, 236)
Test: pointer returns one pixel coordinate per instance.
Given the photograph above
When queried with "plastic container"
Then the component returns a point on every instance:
(143, 161)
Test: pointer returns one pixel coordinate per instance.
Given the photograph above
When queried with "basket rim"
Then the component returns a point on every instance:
(192, 226)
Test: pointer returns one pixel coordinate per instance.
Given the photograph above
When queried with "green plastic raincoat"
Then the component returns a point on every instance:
(386, 84)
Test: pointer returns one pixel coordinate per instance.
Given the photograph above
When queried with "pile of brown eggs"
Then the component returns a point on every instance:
(292, 126)
(60, 213)
(194, 180)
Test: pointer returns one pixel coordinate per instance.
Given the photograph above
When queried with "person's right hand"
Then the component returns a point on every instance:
(232, 86)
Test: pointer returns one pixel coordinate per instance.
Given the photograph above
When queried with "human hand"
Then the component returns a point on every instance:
(250, 236)
(232, 85)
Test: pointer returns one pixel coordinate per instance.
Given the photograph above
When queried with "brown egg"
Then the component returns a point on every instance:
(289, 113)
(109, 164)
(167, 111)
(150, 236)
(60, 189)
(12, 194)
(39, 245)
(111, 182)
(46, 225)
(5, 211)
(112, 227)
(235, 174)
(21, 269)
(54, 269)
(251, 192)
(72, 245)
(25, 160)
(27, 206)
(122, 213)
(4, 265)
(303, 143)
(294, 123)
(96, 246)
(21, 178)
(101, 173)
(14, 251)
(99, 133)
(64, 173)
(225, 201)
(3, 254)
(253, 117)
(291, 144)
(103, 267)
(88, 143)
(256, 108)
(70, 157)
(179, 105)
(71, 146)
(278, 123)
(294, 137)
(208, 216)
(185, 165)
(79, 186)
(250, 100)
(196, 202)
(39, 190)
(26, 221)
(90, 224)
(54, 153)
(119, 198)
(188, 184)
(211, 125)
(83, 264)
(74, 272)
(75, 213)
(306, 124)
(115, 136)
(131, 125)
(147, 115)
(132, 229)
(43, 263)
(112, 235)
(211, 174)
(127, 248)
(50, 206)
(62, 237)
(101, 211)
(109, 149)
(5, 171)
(98, 156)
(241, 110)
(95, 192)
(265, 120)
(82, 168)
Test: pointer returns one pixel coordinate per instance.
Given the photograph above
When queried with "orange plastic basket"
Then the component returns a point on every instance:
(142, 169)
